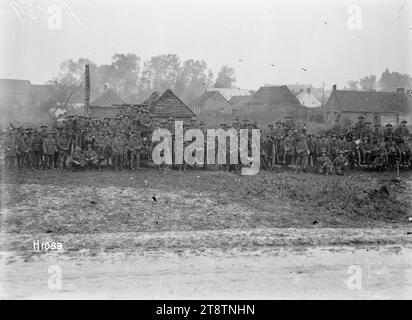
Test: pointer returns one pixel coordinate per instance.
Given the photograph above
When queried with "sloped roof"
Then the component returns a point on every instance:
(201, 101)
(108, 98)
(370, 101)
(228, 93)
(276, 95)
(168, 105)
(308, 100)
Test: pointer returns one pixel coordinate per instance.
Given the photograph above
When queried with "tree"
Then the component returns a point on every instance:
(390, 81)
(225, 78)
(49, 107)
(193, 79)
(158, 74)
(124, 73)
(353, 85)
(368, 83)
(61, 93)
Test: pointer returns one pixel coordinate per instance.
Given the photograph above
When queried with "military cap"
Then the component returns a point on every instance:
(193, 120)
(43, 126)
(223, 124)
(341, 152)
(245, 120)
(201, 123)
(367, 122)
(170, 119)
(388, 125)
(270, 125)
(404, 121)
(361, 117)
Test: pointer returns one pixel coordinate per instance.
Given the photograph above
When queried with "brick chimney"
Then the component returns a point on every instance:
(86, 88)
(400, 90)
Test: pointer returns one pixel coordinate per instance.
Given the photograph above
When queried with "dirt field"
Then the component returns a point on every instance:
(198, 225)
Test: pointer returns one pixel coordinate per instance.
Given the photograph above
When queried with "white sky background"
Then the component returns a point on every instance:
(292, 35)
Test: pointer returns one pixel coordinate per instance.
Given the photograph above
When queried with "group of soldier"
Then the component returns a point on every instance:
(359, 146)
(121, 142)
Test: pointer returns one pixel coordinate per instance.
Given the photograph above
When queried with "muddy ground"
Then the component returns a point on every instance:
(110, 221)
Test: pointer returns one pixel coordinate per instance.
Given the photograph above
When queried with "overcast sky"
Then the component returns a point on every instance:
(305, 41)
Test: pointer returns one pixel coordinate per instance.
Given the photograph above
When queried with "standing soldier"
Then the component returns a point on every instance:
(367, 132)
(365, 150)
(36, 149)
(49, 148)
(333, 147)
(26, 150)
(135, 147)
(388, 132)
(359, 126)
(402, 132)
(312, 150)
(302, 151)
(278, 134)
(63, 150)
(289, 148)
(323, 145)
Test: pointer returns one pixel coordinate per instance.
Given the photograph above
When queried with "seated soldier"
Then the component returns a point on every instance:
(380, 161)
(90, 156)
(340, 163)
(324, 163)
(77, 159)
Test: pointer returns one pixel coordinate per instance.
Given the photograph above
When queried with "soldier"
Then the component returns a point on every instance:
(289, 148)
(323, 144)
(388, 132)
(402, 131)
(377, 134)
(359, 126)
(333, 147)
(36, 149)
(367, 132)
(77, 160)
(135, 148)
(63, 150)
(118, 150)
(278, 134)
(380, 161)
(268, 145)
(49, 148)
(312, 150)
(302, 151)
(90, 156)
(25, 146)
(340, 163)
(324, 163)
(365, 150)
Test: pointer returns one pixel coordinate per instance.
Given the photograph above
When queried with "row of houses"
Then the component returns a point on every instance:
(288, 100)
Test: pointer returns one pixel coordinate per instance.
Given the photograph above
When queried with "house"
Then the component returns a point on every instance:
(276, 99)
(104, 106)
(14, 90)
(308, 99)
(168, 105)
(228, 93)
(239, 102)
(211, 101)
(378, 107)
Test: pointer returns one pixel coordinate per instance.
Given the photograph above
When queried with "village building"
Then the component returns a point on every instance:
(239, 102)
(276, 98)
(378, 107)
(104, 106)
(168, 105)
(228, 93)
(211, 102)
(308, 99)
